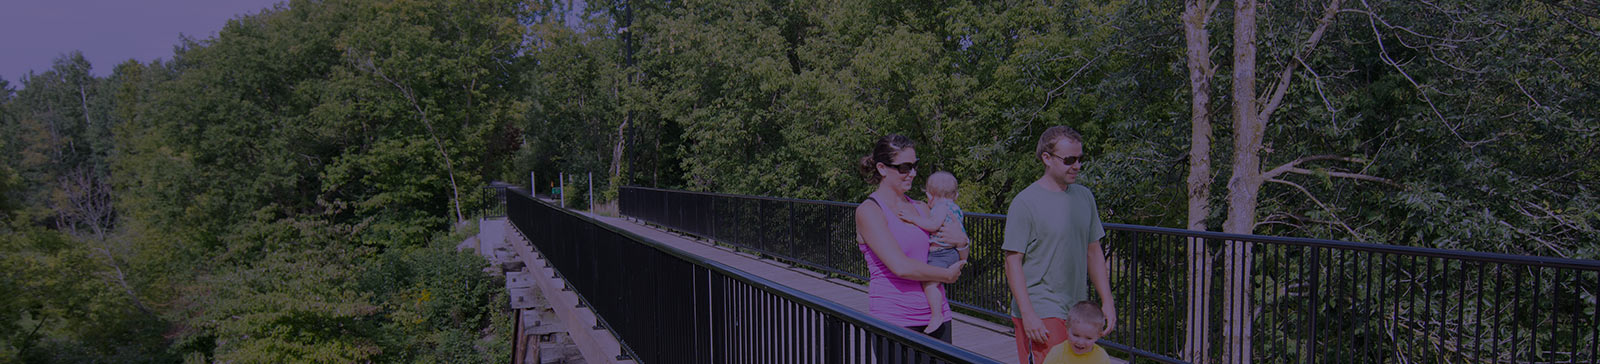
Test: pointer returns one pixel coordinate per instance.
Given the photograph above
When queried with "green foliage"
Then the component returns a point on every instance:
(437, 304)
(773, 98)
(9, 182)
(572, 120)
(290, 306)
(783, 98)
(1483, 143)
(57, 127)
(278, 189)
(391, 169)
(62, 307)
(256, 177)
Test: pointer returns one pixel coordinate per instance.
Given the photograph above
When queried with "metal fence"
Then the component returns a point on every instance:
(494, 197)
(668, 306)
(1214, 297)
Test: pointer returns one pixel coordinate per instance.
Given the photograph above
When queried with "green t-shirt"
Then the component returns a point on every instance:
(1053, 230)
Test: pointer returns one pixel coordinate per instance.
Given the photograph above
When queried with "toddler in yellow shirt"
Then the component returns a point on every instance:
(1084, 324)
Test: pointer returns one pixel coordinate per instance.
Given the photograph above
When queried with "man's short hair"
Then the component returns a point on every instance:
(1084, 311)
(1047, 141)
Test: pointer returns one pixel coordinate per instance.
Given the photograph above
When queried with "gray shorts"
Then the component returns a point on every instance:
(943, 258)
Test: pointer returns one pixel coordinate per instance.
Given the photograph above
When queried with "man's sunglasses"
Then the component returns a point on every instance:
(1067, 160)
(904, 168)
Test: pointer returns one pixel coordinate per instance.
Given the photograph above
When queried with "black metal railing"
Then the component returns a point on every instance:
(494, 199)
(668, 306)
(1215, 297)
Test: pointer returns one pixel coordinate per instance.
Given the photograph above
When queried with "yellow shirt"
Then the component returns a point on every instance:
(1062, 354)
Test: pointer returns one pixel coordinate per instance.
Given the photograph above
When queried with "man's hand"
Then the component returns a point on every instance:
(1110, 310)
(1034, 328)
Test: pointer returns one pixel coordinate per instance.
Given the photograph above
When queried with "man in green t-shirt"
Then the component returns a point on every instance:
(1052, 244)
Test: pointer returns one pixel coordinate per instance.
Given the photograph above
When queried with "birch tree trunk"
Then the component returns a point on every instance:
(617, 151)
(438, 144)
(1243, 187)
(1196, 15)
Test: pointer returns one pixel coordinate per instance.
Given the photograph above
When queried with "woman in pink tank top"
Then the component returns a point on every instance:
(896, 252)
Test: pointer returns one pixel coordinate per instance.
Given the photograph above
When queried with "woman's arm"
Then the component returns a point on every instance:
(870, 224)
(955, 233)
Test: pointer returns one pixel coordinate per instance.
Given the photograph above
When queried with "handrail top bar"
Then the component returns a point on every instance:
(1553, 262)
(1580, 264)
(768, 198)
(837, 310)
(1140, 352)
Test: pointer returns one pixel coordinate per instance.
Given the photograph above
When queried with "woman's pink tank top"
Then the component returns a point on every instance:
(898, 300)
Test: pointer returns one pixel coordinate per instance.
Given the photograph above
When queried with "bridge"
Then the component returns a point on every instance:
(717, 278)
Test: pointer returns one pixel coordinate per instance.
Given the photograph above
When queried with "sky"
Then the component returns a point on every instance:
(108, 32)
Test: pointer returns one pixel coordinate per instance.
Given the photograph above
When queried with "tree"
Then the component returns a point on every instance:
(401, 49)
(61, 125)
(1197, 42)
(575, 79)
(9, 180)
(1249, 119)
(1337, 106)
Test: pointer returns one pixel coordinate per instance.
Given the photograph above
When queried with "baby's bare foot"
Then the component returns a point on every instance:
(934, 321)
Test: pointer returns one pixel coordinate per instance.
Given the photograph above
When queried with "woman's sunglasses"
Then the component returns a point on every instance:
(904, 168)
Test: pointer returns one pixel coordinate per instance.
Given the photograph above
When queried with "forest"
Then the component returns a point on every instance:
(291, 188)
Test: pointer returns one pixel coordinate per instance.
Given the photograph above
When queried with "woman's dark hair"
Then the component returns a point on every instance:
(883, 151)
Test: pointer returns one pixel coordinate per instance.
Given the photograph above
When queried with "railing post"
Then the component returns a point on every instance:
(1133, 292)
(1316, 304)
(790, 228)
(827, 240)
(715, 231)
(760, 240)
(833, 340)
(702, 225)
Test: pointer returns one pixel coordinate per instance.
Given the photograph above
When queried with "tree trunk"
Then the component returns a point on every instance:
(616, 152)
(449, 167)
(89, 203)
(83, 99)
(121, 278)
(1197, 324)
(1243, 187)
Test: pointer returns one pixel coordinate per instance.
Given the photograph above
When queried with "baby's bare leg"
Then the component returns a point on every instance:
(935, 305)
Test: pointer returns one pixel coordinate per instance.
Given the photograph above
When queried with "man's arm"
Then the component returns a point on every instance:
(1100, 276)
(1032, 326)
